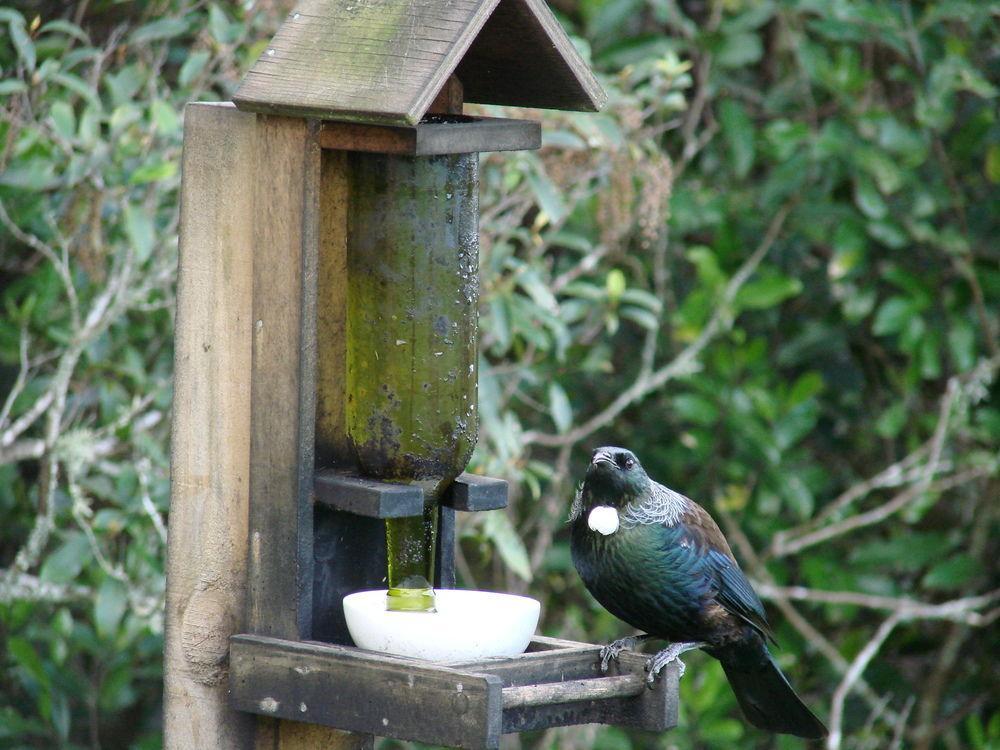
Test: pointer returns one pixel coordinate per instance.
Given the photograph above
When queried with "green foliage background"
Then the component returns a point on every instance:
(770, 267)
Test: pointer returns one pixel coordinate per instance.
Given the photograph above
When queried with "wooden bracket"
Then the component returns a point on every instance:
(375, 499)
(465, 705)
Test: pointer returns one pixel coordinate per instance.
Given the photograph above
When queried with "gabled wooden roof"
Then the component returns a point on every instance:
(384, 61)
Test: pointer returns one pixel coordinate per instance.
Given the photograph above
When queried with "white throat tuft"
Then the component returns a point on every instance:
(603, 519)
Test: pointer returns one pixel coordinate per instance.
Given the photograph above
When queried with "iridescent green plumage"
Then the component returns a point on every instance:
(668, 571)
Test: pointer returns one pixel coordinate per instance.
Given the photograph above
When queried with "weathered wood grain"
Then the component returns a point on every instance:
(572, 691)
(396, 697)
(206, 552)
(362, 60)
(386, 61)
(469, 135)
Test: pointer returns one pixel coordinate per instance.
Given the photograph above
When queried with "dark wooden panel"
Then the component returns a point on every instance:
(471, 492)
(368, 497)
(444, 570)
(389, 696)
(523, 58)
(286, 187)
(349, 556)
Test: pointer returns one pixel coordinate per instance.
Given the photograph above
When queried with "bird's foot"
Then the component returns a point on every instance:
(667, 655)
(613, 649)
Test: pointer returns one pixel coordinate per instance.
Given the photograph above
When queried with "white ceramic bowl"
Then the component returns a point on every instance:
(467, 625)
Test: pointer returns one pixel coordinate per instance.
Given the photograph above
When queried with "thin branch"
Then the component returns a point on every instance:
(684, 363)
(18, 386)
(49, 253)
(966, 610)
(23, 587)
(879, 513)
(853, 675)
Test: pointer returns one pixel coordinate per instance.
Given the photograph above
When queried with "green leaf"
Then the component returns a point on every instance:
(992, 168)
(164, 117)
(893, 316)
(498, 529)
(23, 44)
(760, 294)
(891, 421)
(139, 229)
(192, 67)
(109, 607)
(739, 50)
(952, 573)
(547, 194)
(27, 658)
(962, 345)
(867, 198)
(153, 172)
(695, 408)
(640, 316)
(164, 28)
(12, 86)
(220, 26)
(63, 119)
(65, 564)
(80, 87)
(560, 407)
(738, 130)
(615, 285)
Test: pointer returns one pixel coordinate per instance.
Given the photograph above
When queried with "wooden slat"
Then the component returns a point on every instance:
(471, 135)
(391, 696)
(572, 691)
(386, 62)
(286, 229)
(283, 377)
(206, 555)
(368, 497)
(471, 492)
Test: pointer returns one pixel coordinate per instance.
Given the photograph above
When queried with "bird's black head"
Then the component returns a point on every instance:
(615, 475)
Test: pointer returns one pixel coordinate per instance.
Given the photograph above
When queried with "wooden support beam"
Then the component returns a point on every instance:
(286, 238)
(210, 447)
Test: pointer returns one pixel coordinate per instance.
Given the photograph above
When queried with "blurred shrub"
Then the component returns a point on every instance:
(769, 267)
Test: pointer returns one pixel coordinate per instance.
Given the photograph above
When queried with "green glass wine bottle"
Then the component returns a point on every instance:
(413, 292)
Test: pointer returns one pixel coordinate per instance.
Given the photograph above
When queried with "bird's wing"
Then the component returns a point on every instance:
(732, 589)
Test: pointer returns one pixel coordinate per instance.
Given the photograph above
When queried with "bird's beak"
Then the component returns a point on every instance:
(602, 457)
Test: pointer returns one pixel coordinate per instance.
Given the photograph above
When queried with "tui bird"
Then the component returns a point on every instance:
(658, 561)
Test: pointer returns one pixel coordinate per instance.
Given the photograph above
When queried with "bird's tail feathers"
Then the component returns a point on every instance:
(764, 693)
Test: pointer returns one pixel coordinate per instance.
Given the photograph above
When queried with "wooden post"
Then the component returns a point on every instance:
(249, 202)
(286, 250)
(206, 556)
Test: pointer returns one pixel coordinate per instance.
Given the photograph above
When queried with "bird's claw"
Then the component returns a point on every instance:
(615, 648)
(670, 654)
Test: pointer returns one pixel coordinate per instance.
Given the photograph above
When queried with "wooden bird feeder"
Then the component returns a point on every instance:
(326, 380)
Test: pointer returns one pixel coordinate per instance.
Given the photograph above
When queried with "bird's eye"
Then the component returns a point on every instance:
(629, 463)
